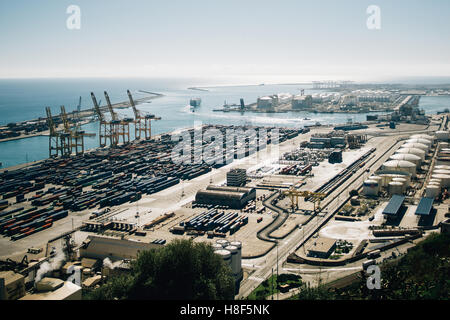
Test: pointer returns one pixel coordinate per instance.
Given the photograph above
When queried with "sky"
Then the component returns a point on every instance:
(286, 40)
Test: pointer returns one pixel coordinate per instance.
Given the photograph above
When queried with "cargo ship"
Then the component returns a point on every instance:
(195, 102)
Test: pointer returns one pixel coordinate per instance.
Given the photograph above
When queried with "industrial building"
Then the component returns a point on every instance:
(55, 289)
(231, 253)
(236, 177)
(12, 285)
(96, 247)
(322, 248)
(233, 197)
(302, 102)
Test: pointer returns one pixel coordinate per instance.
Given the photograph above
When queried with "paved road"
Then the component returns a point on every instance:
(297, 238)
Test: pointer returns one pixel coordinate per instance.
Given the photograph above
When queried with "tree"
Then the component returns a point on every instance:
(182, 270)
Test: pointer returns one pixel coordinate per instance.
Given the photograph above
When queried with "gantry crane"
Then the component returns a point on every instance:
(139, 117)
(121, 126)
(314, 197)
(106, 129)
(76, 135)
(58, 141)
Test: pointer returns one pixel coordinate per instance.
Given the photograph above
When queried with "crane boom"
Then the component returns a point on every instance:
(51, 124)
(133, 105)
(110, 108)
(97, 108)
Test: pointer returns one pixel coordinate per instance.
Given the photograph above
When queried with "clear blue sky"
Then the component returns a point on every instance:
(284, 39)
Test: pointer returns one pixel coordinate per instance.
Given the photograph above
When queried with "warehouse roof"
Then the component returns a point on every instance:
(394, 205)
(322, 245)
(424, 207)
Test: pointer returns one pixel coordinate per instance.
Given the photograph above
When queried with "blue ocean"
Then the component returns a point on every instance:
(22, 100)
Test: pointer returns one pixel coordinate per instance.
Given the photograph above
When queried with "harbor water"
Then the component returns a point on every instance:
(22, 100)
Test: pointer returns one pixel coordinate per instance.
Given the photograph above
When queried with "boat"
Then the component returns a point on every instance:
(195, 102)
(306, 119)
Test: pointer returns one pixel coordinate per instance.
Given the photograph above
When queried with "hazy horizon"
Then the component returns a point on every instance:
(237, 41)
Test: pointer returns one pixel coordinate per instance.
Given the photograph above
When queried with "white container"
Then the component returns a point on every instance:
(432, 191)
(444, 178)
(423, 136)
(223, 242)
(238, 245)
(370, 188)
(234, 259)
(441, 171)
(420, 146)
(402, 181)
(442, 135)
(423, 141)
(415, 151)
(226, 256)
(216, 246)
(407, 157)
(436, 181)
(443, 167)
(395, 188)
(400, 165)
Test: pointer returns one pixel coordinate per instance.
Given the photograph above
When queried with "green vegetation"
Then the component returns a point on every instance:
(423, 273)
(265, 288)
(182, 270)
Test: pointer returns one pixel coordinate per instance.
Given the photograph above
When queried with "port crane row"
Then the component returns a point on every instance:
(112, 130)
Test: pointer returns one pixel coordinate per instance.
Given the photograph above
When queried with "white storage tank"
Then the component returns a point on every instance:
(444, 167)
(442, 145)
(442, 135)
(223, 242)
(444, 178)
(216, 246)
(238, 245)
(395, 188)
(420, 146)
(436, 181)
(407, 157)
(415, 151)
(441, 171)
(423, 136)
(234, 259)
(370, 188)
(432, 191)
(379, 180)
(402, 181)
(400, 165)
(423, 141)
(226, 256)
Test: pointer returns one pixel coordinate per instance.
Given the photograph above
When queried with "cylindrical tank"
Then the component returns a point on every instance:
(377, 179)
(407, 157)
(441, 171)
(444, 167)
(432, 191)
(402, 181)
(223, 242)
(234, 259)
(395, 188)
(226, 256)
(415, 151)
(444, 178)
(420, 146)
(216, 246)
(370, 188)
(423, 136)
(400, 165)
(442, 135)
(442, 145)
(423, 141)
(238, 245)
(436, 181)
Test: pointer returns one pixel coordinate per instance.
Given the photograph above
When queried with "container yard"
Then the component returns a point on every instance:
(136, 193)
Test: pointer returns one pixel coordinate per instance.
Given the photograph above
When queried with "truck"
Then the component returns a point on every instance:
(374, 254)
(368, 263)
